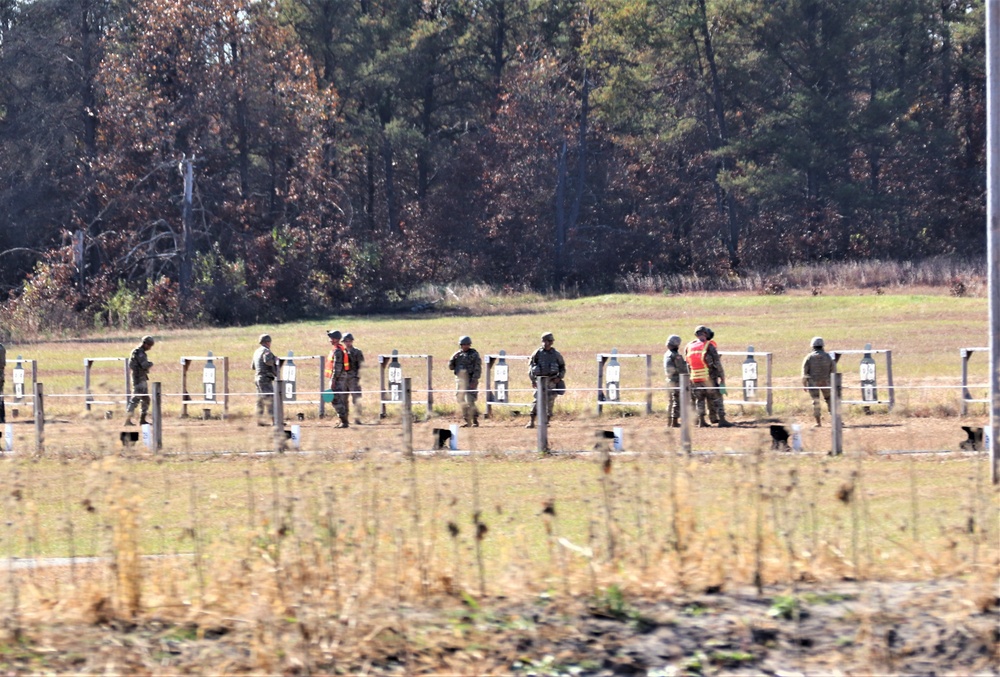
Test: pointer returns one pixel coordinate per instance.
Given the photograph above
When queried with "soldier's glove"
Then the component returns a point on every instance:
(722, 389)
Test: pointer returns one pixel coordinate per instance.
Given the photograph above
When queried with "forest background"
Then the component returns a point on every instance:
(345, 152)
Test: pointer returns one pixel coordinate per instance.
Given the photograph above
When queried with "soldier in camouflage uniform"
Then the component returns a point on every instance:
(139, 366)
(265, 368)
(356, 357)
(468, 368)
(717, 378)
(546, 361)
(673, 366)
(3, 367)
(816, 371)
(340, 362)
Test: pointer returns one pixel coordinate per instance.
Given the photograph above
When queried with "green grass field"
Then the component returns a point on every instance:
(352, 520)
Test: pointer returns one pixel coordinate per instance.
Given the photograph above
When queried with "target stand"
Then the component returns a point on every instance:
(750, 379)
(868, 376)
(966, 395)
(390, 381)
(609, 389)
(209, 384)
(88, 366)
(288, 371)
(498, 389)
(23, 390)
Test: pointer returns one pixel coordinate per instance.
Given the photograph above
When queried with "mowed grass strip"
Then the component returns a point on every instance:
(925, 333)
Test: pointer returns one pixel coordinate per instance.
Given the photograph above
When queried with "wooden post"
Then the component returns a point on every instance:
(542, 413)
(649, 384)
(185, 364)
(278, 412)
(322, 385)
(156, 403)
(39, 419)
(225, 388)
(837, 440)
(888, 369)
(87, 364)
(407, 416)
(430, 387)
(685, 395)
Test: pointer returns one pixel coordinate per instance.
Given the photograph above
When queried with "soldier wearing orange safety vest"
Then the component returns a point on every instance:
(338, 368)
(706, 372)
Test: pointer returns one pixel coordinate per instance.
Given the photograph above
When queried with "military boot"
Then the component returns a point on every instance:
(344, 423)
(128, 420)
(817, 421)
(674, 423)
(702, 423)
(475, 420)
(142, 420)
(531, 423)
(723, 423)
(713, 417)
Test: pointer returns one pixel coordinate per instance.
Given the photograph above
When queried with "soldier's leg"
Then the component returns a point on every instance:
(534, 409)
(3, 406)
(473, 398)
(340, 401)
(814, 394)
(141, 391)
(713, 403)
(701, 400)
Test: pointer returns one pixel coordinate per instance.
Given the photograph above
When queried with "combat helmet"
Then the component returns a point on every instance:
(547, 336)
(701, 329)
(817, 342)
(674, 341)
(334, 334)
(464, 340)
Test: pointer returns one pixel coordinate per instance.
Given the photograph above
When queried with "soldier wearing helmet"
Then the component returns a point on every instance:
(816, 371)
(467, 366)
(336, 373)
(673, 366)
(717, 378)
(139, 366)
(548, 362)
(355, 357)
(696, 355)
(265, 370)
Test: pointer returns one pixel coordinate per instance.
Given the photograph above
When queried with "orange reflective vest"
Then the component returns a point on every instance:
(694, 352)
(328, 369)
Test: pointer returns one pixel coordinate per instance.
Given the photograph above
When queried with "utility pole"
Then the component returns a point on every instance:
(993, 219)
(187, 238)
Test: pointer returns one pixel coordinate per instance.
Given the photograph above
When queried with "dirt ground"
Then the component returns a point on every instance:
(928, 628)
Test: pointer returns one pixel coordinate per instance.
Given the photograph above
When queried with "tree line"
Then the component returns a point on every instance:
(342, 152)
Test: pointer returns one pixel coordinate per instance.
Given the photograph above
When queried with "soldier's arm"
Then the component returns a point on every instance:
(477, 367)
(562, 365)
(451, 362)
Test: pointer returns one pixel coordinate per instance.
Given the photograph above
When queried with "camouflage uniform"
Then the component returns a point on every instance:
(3, 367)
(816, 371)
(339, 378)
(673, 366)
(139, 366)
(265, 367)
(701, 387)
(355, 357)
(467, 366)
(546, 362)
(716, 379)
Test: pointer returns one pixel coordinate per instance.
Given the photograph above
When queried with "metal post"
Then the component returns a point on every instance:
(128, 381)
(964, 406)
(837, 440)
(685, 396)
(542, 411)
(278, 412)
(649, 384)
(39, 420)
(156, 402)
(993, 220)
(407, 417)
